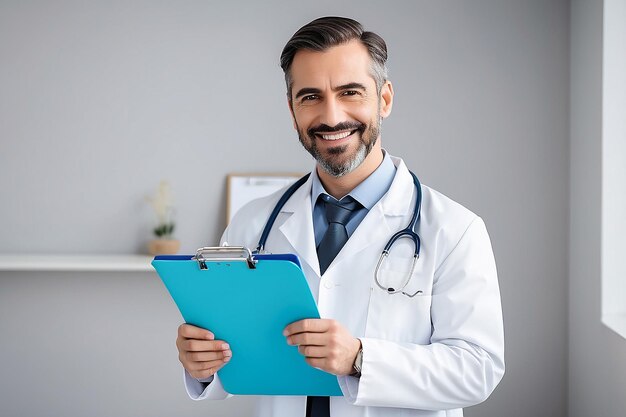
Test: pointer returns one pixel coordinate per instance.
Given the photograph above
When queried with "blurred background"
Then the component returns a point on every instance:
(498, 105)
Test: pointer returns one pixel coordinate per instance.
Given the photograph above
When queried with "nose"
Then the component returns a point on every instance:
(332, 112)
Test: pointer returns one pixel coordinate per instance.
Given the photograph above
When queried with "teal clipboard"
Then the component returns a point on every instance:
(247, 300)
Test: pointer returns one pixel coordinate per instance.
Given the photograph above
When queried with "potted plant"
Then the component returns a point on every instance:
(164, 242)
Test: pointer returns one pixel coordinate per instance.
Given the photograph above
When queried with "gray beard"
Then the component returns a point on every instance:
(339, 170)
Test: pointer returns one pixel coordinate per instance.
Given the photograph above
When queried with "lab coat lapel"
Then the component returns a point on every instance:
(298, 228)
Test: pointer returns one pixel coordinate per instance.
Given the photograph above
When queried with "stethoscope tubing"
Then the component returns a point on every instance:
(279, 206)
(407, 232)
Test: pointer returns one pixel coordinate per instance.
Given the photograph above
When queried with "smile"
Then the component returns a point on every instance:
(335, 136)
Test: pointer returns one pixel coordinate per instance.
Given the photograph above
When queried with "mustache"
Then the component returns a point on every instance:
(323, 128)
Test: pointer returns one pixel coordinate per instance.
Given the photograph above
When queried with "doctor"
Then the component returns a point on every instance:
(394, 355)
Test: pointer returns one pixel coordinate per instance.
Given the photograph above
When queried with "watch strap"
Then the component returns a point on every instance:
(358, 363)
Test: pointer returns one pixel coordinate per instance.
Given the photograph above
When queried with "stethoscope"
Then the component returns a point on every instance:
(407, 233)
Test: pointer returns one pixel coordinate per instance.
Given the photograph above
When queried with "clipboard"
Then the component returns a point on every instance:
(247, 300)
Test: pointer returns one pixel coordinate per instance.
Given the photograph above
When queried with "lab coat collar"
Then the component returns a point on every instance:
(397, 201)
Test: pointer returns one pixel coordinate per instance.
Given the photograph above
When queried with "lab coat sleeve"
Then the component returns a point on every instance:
(464, 361)
(201, 391)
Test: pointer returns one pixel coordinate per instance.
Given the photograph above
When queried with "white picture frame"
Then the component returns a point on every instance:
(243, 188)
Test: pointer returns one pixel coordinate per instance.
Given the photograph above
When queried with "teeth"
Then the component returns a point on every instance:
(337, 136)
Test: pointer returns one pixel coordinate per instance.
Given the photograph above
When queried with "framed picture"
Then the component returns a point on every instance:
(243, 188)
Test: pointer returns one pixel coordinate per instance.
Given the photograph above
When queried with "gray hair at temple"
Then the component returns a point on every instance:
(326, 32)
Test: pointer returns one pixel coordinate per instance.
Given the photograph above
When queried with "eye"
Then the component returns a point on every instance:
(310, 97)
(350, 93)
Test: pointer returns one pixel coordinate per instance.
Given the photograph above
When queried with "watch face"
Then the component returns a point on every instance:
(358, 363)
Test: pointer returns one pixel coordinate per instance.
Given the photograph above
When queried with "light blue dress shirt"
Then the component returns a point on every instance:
(372, 189)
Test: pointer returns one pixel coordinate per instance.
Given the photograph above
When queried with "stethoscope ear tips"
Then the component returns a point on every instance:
(390, 290)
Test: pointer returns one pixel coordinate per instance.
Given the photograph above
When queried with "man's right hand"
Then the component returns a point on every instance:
(199, 352)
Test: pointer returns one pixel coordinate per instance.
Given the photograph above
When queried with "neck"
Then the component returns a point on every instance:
(341, 186)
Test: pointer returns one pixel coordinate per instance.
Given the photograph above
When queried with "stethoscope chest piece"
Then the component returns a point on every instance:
(406, 233)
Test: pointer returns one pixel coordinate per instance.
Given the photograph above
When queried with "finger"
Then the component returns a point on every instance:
(189, 331)
(193, 345)
(307, 325)
(313, 351)
(317, 339)
(203, 366)
(208, 356)
(319, 363)
(203, 374)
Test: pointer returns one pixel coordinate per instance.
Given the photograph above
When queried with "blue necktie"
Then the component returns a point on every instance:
(338, 213)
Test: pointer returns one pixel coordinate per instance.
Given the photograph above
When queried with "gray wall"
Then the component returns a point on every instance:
(99, 101)
(597, 355)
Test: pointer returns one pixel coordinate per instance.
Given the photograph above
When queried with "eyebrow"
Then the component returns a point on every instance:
(349, 86)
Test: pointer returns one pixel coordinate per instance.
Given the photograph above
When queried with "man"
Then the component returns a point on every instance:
(427, 347)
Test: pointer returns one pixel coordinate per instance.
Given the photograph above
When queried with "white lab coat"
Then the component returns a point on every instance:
(429, 355)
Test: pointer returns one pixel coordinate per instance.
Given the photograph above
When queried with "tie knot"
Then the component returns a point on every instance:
(339, 211)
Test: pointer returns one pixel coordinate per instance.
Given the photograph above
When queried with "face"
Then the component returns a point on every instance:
(335, 106)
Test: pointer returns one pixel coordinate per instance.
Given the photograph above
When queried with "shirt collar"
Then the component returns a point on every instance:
(368, 192)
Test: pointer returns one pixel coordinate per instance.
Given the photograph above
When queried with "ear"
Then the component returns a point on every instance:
(293, 117)
(386, 99)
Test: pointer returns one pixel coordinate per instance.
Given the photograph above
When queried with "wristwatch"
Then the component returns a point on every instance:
(358, 363)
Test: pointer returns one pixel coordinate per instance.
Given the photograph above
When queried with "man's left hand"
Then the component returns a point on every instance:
(325, 344)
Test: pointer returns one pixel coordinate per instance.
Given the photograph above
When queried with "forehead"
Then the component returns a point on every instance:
(338, 65)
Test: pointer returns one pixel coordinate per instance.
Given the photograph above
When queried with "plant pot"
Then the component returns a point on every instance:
(163, 246)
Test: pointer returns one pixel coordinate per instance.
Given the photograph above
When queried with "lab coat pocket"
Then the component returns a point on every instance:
(398, 317)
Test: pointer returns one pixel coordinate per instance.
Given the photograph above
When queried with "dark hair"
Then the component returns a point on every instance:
(326, 32)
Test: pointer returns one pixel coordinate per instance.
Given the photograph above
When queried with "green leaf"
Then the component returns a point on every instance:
(164, 230)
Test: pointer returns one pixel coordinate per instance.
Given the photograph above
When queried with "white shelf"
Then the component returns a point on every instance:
(96, 263)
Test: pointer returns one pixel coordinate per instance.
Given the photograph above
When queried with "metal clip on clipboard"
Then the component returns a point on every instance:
(224, 253)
